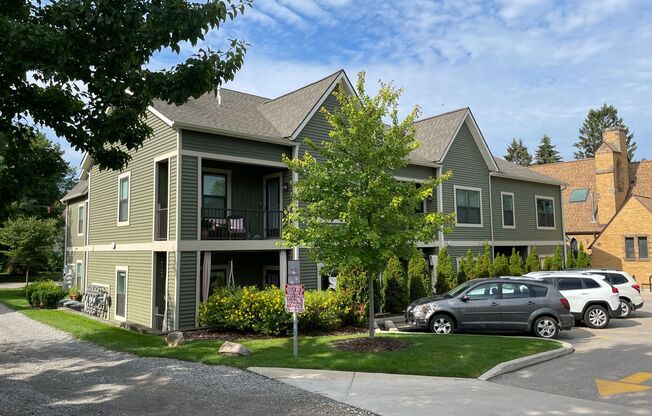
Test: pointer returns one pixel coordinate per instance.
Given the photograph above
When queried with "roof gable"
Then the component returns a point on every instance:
(645, 202)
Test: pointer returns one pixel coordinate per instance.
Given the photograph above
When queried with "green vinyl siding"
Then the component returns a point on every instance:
(187, 289)
(469, 169)
(74, 240)
(547, 250)
(524, 210)
(104, 192)
(189, 195)
(308, 270)
(317, 129)
(287, 183)
(232, 146)
(102, 270)
(172, 209)
(416, 172)
(172, 288)
(459, 252)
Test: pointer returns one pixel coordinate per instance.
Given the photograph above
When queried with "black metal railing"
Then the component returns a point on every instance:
(161, 224)
(240, 224)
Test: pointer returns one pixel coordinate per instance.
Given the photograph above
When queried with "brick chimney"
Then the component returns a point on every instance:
(611, 173)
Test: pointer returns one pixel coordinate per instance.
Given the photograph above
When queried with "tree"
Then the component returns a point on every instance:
(418, 277)
(29, 241)
(483, 264)
(349, 209)
(571, 262)
(518, 153)
(395, 290)
(583, 259)
(500, 266)
(596, 121)
(556, 261)
(469, 267)
(446, 279)
(83, 68)
(532, 262)
(546, 152)
(461, 270)
(515, 264)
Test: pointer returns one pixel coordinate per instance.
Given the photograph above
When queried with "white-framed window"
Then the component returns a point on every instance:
(120, 302)
(124, 198)
(507, 204)
(81, 218)
(468, 206)
(545, 211)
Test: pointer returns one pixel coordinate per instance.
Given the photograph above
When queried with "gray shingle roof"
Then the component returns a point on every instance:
(436, 133)
(81, 189)
(513, 170)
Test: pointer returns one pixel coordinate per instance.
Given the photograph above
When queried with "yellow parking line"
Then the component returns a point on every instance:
(638, 378)
(608, 388)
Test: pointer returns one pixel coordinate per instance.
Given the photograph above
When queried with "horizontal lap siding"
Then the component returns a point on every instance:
(232, 146)
(73, 239)
(458, 252)
(308, 270)
(172, 219)
(416, 172)
(287, 193)
(189, 195)
(187, 289)
(469, 169)
(102, 270)
(104, 192)
(172, 288)
(317, 128)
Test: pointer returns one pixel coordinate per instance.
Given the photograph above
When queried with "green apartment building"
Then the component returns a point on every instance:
(201, 203)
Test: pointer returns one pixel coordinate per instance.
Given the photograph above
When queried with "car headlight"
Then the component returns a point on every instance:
(425, 308)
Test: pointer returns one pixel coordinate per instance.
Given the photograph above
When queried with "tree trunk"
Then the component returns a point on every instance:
(26, 277)
(371, 304)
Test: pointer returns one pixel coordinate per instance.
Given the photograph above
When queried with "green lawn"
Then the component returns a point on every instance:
(449, 356)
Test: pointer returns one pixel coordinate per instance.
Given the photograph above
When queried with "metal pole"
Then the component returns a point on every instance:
(295, 327)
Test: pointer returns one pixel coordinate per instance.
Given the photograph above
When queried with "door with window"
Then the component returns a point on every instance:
(121, 294)
(517, 304)
(481, 310)
(272, 207)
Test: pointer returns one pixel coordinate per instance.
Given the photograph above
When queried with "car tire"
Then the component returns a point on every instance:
(546, 327)
(626, 308)
(596, 317)
(441, 324)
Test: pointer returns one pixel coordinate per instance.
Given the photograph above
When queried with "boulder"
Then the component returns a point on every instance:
(234, 349)
(174, 339)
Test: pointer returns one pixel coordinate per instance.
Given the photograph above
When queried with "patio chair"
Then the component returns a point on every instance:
(237, 228)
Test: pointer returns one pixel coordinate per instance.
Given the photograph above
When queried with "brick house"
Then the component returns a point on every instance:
(607, 205)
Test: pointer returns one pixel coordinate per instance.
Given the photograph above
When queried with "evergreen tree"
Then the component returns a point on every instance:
(418, 277)
(546, 152)
(395, 290)
(583, 259)
(515, 264)
(446, 279)
(571, 262)
(518, 153)
(483, 264)
(500, 266)
(469, 266)
(596, 121)
(532, 261)
(556, 261)
(547, 264)
(461, 271)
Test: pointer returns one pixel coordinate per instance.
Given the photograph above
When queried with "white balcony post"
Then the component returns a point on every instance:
(283, 267)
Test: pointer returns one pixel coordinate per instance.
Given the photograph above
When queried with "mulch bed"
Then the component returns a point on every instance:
(370, 345)
(214, 334)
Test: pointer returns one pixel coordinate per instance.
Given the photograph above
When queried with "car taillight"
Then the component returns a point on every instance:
(637, 287)
(564, 302)
(614, 289)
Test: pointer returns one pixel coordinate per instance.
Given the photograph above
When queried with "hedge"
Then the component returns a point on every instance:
(45, 294)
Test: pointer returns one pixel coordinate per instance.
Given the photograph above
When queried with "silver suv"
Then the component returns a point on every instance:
(494, 305)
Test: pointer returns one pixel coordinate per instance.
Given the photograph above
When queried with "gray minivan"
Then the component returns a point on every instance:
(494, 305)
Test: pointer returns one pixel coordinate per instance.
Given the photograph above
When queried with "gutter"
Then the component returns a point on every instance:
(519, 178)
(266, 139)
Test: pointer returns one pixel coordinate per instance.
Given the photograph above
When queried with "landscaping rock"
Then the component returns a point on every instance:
(174, 339)
(234, 349)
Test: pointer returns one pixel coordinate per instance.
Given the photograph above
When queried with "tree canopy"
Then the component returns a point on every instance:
(546, 152)
(29, 242)
(82, 68)
(517, 152)
(596, 121)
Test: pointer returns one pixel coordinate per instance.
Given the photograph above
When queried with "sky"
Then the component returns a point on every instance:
(524, 67)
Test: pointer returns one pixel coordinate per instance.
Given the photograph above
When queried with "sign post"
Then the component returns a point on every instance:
(294, 300)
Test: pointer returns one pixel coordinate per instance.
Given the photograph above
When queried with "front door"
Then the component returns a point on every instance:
(481, 311)
(272, 207)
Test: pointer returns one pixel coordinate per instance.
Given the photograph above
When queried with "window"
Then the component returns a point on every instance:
(515, 291)
(214, 194)
(570, 283)
(79, 273)
(468, 202)
(579, 195)
(591, 284)
(630, 252)
(538, 291)
(642, 248)
(616, 279)
(121, 292)
(548, 281)
(507, 199)
(482, 292)
(81, 216)
(123, 198)
(545, 212)
(421, 208)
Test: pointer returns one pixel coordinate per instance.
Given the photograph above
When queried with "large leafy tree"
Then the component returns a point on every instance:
(596, 121)
(517, 152)
(82, 67)
(349, 209)
(546, 152)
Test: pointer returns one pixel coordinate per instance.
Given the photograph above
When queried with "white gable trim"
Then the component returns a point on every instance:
(341, 77)
(160, 116)
(478, 138)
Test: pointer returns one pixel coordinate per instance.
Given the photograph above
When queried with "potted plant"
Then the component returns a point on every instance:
(74, 293)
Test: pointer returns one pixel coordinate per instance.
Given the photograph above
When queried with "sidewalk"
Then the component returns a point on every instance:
(391, 394)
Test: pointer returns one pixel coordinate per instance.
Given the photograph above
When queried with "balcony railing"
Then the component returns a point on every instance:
(240, 224)
(161, 224)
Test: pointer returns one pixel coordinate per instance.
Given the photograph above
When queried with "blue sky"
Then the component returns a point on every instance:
(525, 67)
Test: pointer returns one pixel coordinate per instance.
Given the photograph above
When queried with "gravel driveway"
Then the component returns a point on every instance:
(44, 371)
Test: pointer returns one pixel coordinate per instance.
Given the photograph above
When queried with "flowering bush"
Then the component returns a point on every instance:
(263, 311)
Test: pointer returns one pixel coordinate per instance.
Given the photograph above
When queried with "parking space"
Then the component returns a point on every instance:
(612, 365)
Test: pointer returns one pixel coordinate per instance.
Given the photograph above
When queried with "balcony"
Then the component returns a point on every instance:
(161, 224)
(240, 224)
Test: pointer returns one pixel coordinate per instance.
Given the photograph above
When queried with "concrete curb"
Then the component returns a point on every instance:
(519, 363)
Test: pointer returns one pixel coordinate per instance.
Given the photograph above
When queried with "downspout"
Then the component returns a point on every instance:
(65, 241)
(87, 236)
(491, 216)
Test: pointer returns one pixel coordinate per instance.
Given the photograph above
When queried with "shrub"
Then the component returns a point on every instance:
(483, 265)
(461, 270)
(570, 260)
(395, 292)
(532, 261)
(353, 295)
(500, 266)
(515, 264)
(418, 277)
(44, 294)
(446, 278)
(556, 261)
(547, 264)
(469, 267)
(322, 311)
(583, 259)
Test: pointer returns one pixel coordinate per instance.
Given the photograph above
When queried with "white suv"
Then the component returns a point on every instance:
(630, 290)
(592, 299)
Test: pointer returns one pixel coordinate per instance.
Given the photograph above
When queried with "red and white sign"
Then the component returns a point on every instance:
(294, 298)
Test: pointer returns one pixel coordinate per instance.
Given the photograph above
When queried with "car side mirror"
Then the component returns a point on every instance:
(464, 297)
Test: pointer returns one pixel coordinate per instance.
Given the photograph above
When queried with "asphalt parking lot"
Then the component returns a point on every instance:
(602, 359)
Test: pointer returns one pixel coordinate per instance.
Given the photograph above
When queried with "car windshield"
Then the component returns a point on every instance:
(459, 289)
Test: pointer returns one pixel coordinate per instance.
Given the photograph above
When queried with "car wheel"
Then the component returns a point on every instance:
(546, 327)
(596, 317)
(441, 324)
(626, 308)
